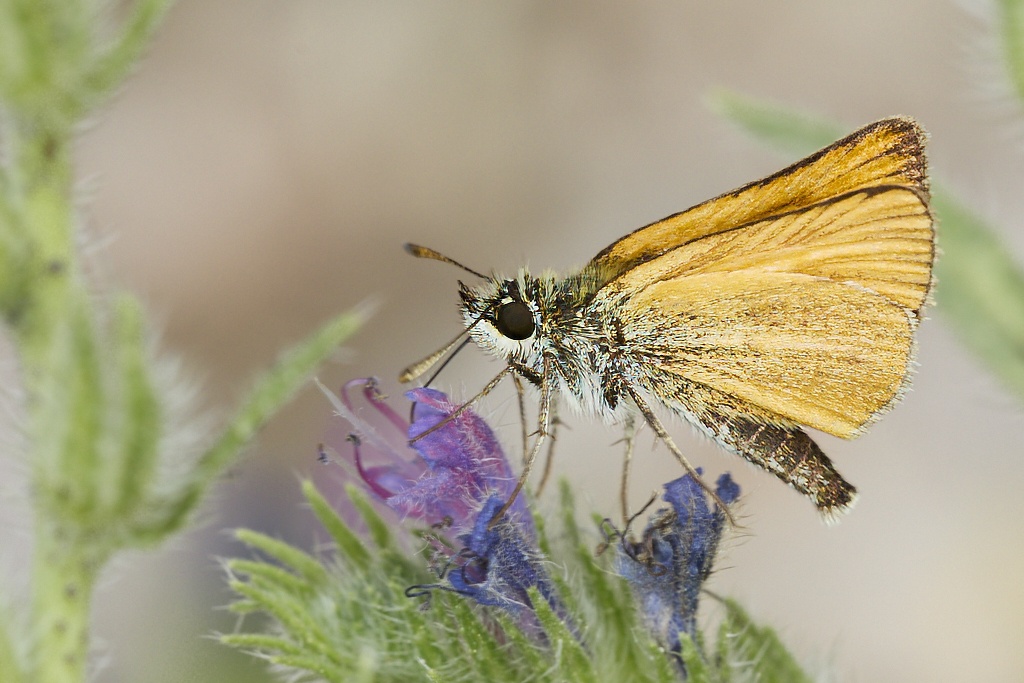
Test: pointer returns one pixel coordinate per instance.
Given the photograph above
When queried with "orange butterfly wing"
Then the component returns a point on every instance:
(887, 152)
(808, 316)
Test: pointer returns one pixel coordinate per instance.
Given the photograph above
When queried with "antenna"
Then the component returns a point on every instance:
(415, 370)
(425, 252)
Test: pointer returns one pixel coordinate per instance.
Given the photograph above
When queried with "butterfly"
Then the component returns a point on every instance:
(791, 302)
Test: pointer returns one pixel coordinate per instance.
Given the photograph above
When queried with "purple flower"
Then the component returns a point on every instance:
(455, 477)
(668, 566)
(499, 564)
(447, 474)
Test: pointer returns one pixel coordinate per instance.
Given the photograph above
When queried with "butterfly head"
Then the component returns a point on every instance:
(505, 317)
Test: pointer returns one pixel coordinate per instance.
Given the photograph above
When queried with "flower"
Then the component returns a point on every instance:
(668, 566)
(500, 564)
(455, 478)
(454, 465)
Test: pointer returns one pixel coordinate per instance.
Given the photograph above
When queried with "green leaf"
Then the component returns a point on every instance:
(69, 433)
(110, 66)
(316, 665)
(275, 388)
(782, 128)
(269, 575)
(290, 611)
(137, 411)
(575, 662)
(95, 419)
(306, 565)
(259, 641)
(980, 289)
(379, 531)
(747, 650)
(697, 669)
(660, 664)
(520, 646)
(567, 508)
(347, 542)
(359, 625)
(979, 286)
(1010, 21)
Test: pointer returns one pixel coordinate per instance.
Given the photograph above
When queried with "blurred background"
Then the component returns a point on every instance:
(263, 168)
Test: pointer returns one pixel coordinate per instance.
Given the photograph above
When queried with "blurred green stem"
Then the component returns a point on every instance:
(1011, 22)
(47, 321)
(54, 66)
(64, 573)
(96, 418)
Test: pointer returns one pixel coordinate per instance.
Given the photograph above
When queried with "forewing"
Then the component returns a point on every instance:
(808, 315)
(881, 239)
(887, 152)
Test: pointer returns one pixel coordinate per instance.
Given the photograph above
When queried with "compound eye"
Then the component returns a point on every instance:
(515, 321)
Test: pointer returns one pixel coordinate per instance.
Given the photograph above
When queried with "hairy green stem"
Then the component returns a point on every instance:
(59, 368)
(64, 574)
(96, 420)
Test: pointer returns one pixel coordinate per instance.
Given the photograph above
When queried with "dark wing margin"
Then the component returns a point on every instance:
(887, 152)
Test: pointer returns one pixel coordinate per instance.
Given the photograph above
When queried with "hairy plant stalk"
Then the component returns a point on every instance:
(96, 417)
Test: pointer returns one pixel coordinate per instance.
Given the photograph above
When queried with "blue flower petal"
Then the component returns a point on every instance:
(668, 566)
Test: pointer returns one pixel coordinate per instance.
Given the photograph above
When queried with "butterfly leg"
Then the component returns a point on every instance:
(458, 411)
(662, 433)
(521, 398)
(550, 457)
(547, 391)
(629, 436)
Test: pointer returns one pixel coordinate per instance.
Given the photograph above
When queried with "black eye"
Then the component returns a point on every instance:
(514, 320)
